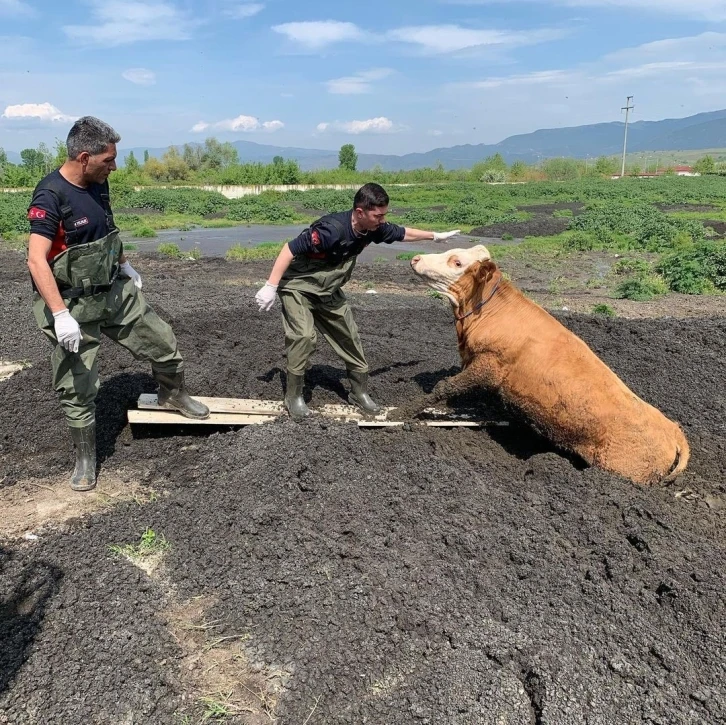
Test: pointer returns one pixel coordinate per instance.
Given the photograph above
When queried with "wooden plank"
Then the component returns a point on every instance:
(171, 418)
(150, 401)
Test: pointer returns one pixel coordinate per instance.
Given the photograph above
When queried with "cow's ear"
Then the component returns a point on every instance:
(486, 271)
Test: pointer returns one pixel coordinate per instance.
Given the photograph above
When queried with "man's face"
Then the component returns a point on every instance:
(372, 219)
(98, 167)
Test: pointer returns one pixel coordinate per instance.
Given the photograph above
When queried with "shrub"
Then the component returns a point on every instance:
(143, 231)
(580, 241)
(507, 237)
(169, 249)
(632, 266)
(698, 269)
(641, 289)
(604, 310)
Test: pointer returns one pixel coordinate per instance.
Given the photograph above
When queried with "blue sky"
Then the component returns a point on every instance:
(388, 76)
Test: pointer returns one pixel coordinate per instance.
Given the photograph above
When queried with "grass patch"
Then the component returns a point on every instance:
(507, 237)
(143, 231)
(408, 255)
(604, 310)
(169, 249)
(562, 213)
(150, 544)
(266, 250)
(434, 294)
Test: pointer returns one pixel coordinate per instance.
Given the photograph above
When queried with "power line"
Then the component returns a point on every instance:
(627, 108)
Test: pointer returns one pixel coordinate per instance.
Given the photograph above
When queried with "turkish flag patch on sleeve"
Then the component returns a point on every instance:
(316, 238)
(35, 213)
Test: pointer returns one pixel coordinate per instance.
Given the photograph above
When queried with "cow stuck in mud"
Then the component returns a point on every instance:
(511, 345)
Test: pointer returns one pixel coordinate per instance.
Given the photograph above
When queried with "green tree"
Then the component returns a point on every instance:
(131, 163)
(278, 161)
(347, 157)
(561, 169)
(518, 170)
(146, 156)
(3, 157)
(61, 153)
(606, 165)
(705, 165)
(176, 168)
(193, 156)
(32, 160)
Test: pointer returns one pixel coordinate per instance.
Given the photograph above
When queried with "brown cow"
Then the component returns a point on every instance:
(510, 344)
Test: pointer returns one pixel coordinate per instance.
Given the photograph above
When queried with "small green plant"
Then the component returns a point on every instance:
(150, 543)
(266, 250)
(434, 294)
(169, 249)
(562, 213)
(379, 260)
(130, 247)
(369, 285)
(507, 237)
(604, 310)
(194, 253)
(641, 289)
(408, 255)
(215, 709)
(143, 231)
(580, 242)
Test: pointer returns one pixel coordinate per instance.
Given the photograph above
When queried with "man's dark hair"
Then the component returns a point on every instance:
(89, 134)
(369, 197)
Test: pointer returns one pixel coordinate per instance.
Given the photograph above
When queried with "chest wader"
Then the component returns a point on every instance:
(100, 300)
(312, 299)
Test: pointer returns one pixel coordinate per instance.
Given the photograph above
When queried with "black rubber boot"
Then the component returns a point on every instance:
(358, 395)
(84, 474)
(294, 401)
(173, 395)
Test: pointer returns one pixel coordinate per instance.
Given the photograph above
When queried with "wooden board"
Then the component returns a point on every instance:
(243, 411)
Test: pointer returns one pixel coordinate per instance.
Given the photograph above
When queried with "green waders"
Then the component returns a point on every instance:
(312, 300)
(104, 303)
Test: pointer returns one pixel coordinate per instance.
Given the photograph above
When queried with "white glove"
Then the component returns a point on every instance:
(265, 298)
(443, 236)
(131, 273)
(67, 330)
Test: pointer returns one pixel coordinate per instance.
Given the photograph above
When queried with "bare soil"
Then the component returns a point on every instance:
(320, 573)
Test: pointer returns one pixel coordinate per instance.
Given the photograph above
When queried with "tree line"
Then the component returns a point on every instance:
(218, 163)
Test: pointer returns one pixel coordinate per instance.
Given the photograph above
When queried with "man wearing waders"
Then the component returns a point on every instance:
(84, 286)
(308, 275)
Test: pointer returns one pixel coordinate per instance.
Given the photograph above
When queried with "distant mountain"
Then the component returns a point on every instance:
(702, 131)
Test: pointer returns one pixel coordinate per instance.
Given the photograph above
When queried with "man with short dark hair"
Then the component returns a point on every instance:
(84, 286)
(308, 275)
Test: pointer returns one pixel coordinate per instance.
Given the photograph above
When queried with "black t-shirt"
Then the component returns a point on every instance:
(332, 237)
(88, 219)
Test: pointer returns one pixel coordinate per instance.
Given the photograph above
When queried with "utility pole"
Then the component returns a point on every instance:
(627, 108)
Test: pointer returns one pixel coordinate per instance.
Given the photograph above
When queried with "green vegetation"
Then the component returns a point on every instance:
(695, 269)
(266, 250)
(169, 249)
(150, 543)
(642, 288)
(408, 255)
(604, 310)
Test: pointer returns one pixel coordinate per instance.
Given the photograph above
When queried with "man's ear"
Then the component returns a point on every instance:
(486, 271)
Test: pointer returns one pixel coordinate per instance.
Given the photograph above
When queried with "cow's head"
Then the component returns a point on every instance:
(443, 271)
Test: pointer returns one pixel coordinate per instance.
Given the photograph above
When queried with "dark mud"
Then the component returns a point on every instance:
(397, 576)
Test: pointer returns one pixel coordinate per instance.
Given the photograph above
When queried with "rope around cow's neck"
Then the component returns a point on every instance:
(481, 304)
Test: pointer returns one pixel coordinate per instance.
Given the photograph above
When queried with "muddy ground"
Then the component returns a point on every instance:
(320, 573)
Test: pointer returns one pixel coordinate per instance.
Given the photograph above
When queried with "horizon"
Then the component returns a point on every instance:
(436, 74)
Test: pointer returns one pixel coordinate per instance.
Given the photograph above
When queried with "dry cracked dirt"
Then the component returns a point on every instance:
(322, 573)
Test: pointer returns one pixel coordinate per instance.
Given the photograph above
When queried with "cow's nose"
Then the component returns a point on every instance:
(415, 260)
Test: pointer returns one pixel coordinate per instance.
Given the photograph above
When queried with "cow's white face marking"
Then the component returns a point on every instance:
(440, 271)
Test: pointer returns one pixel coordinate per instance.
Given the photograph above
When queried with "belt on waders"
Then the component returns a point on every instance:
(72, 293)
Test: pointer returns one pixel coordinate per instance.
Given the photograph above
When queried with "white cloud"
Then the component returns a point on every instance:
(381, 124)
(359, 83)
(15, 8)
(244, 10)
(44, 112)
(314, 35)
(438, 39)
(140, 76)
(119, 22)
(714, 10)
(242, 123)
(546, 76)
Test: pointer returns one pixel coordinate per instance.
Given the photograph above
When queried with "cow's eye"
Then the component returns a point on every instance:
(457, 263)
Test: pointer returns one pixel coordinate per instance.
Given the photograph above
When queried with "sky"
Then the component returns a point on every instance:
(389, 76)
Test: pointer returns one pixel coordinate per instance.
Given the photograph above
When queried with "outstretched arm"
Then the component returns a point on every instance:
(420, 235)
